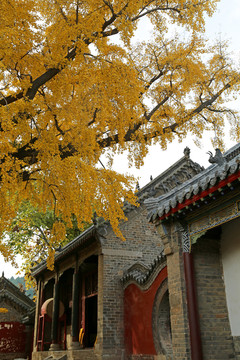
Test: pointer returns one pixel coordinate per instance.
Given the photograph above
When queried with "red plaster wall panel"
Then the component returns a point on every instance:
(12, 337)
(138, 306)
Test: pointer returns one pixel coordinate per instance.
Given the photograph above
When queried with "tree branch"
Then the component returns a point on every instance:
(61, 11)
(153, 10)
(114, 139)
(94, 117)
(40, 81)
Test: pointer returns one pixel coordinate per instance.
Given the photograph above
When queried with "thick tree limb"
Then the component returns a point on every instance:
(114, 139)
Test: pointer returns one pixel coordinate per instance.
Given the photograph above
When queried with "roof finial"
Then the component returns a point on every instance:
(3, 274)
(186, 152)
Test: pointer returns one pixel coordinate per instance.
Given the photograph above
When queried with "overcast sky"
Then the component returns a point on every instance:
(224, 24)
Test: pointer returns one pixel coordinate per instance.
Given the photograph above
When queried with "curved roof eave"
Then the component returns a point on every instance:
(79, 241)
(198, 187)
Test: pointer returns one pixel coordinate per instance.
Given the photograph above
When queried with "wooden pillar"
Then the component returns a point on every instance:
(55, 316)
(40, 286)
(75, 310)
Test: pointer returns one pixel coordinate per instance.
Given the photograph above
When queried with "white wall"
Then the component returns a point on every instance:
(231, 270)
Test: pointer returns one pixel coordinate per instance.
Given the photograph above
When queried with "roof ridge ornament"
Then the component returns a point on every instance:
(186, 152)
(218, 158)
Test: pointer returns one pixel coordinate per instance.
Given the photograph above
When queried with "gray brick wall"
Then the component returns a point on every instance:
(142, 244)
(214, 323)
(13, 314)
(172, 241)
(236, 344)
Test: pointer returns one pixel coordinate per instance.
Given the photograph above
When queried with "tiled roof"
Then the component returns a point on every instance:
(168, 179)
(29, 317)
(80, 240)
(143, 275)
(9, 291)
(158, 207)
(5, 294)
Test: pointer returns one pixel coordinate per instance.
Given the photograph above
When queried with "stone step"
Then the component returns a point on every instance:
(62, 357)
(83, 354)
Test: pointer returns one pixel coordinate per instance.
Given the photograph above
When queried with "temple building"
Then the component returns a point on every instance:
(83, 306)
(16, 322)
(199, 225)
(169, 292)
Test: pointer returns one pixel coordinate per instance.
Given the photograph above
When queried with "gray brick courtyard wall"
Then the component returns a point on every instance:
(214, 323)
(140, 235)
(177, 295)
(13, 314)
(142, 244)
(236, 343)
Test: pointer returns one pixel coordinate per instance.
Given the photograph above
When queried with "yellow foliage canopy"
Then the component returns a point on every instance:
(69, 92)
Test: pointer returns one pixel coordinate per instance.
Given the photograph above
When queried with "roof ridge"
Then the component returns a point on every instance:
(157, 207)
(6, 293)
(15, 288)
(185, 160)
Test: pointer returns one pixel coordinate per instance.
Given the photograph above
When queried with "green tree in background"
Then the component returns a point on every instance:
(31, 236)
(20, 280)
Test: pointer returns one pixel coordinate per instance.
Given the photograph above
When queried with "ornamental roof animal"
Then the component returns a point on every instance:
(218, 158)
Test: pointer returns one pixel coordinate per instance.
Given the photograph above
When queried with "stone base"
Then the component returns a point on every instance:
(84, 354)
(75, 345)
(11, 356)
(54, 347)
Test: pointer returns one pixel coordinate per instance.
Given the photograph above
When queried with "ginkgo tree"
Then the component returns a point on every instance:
(74, 87)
